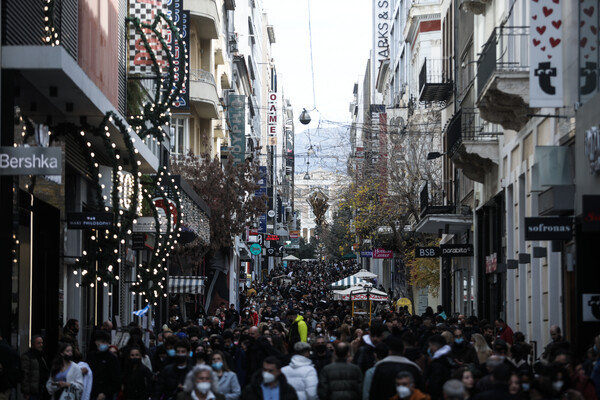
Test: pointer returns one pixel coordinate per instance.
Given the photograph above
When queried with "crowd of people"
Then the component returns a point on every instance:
(292, 340)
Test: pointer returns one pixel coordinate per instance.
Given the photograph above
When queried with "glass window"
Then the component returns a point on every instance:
(180, 139)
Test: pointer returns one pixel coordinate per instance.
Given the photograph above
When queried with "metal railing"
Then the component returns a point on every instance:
(505, 51)
(432, 71)
(467, 125)
(432, 200)
(200, 75)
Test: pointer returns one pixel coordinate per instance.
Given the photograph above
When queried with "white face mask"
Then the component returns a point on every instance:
(557, 385)
(268, 377)
(203, 387)
(403, 392)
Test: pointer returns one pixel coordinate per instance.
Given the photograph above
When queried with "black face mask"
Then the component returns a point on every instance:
(67, 357)
(136, 361)
(181, 359)
(321, 348)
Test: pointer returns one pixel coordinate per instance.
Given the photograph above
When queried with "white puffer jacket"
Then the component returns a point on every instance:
(303, 377)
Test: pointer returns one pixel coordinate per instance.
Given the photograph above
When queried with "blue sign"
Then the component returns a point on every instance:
(366, 254)
(262, 182)
(262, 223)
(235, 114)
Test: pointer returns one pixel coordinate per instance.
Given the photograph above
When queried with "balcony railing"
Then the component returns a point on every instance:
(200, 75)
(467, 125)
(432, 201)
(505, 51)
(434, 84)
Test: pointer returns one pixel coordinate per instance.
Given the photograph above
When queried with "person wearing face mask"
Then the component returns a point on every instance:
(64, 373)
(406, 390)
(200, 384)
(228, 383)
(321, 356)
(462, 351)
(105, 367)
(137, 378)
(69, 336)
(171, 378)
(269, 383)
(301, 373)
(499, 389)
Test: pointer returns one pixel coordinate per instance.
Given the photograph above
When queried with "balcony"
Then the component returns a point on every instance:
(205, 17)
(472, 144)
(503, 78)
(203, 93)
(474, 6)
(438, 218)
(432, 202)
(434, 84)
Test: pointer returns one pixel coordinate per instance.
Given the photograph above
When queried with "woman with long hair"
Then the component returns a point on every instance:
(137, 378)
(481, 346)
(465, 376)
(201, 383)
(228, 382)
(65, 374)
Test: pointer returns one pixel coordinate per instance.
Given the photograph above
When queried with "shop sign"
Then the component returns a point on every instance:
(427, 252)
(366, 254)
(30, 160)
(89, 220)
(491, 263)
(255, 249)
(548, 228)
(457, 250)
(591, 307)
(382, 253)
(138, 241)
(148, 225)
(591, 214)
(272, 238)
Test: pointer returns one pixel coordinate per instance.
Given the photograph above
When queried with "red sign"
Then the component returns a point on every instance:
(162, 209)
(272, 237)
(253, 232)
(382, 253)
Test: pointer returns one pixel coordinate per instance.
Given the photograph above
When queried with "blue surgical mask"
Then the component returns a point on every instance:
(171, 352)
(217, 366)
(459, 340)
(525, 386)
(102, 347)
(429, 353)
(191, 354)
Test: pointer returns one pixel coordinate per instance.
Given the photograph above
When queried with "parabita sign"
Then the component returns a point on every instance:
(30, 161)
(548, 228)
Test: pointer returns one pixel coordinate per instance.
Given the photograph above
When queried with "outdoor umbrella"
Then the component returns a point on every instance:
(364, 274)
(290, 258)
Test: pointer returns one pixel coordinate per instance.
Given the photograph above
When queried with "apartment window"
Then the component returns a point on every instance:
(180, 140)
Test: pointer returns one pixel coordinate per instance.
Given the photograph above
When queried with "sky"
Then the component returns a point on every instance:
(341, 37)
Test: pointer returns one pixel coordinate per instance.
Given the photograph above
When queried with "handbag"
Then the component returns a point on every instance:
(68, 394)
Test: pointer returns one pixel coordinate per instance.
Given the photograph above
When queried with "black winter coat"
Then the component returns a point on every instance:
(364, 357)
(383, 385)
(340, 381)
(169, 380)
(437, 374)
(107, 373)
(137, 383)
(253, 391)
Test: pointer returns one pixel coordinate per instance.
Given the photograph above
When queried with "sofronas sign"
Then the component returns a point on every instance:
(548, 228)
(30, 160)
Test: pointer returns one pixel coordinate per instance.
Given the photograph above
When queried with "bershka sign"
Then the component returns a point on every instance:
(548, 228)
(591, 213)
(382, 253)
(457, 250)
(427, 252)
(272, 115)
(30, 160)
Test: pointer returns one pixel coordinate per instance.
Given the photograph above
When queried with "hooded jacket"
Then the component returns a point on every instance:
(302, 376)
(298, 332)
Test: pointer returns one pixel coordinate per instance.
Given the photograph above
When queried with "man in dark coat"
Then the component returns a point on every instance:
(365, 356)
(440, 367)
(463, 352)
(269, 383)
(171, 378)
(383, 385)
(499, 387)
(340, 380)
(106, 369)
(321, 356)
(258, 349)
(9, 369)
(35, 370)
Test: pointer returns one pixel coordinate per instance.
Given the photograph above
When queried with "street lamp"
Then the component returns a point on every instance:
(305, 117)
(434, 154)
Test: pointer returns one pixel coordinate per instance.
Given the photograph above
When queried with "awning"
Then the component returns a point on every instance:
(358, 293)
(446, 223)
(186, 284)
(349, 281)
(364, 274)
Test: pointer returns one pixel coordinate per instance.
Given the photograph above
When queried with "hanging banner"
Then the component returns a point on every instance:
(235, 114)
(588, 50)
(140, 62)
(546, 54)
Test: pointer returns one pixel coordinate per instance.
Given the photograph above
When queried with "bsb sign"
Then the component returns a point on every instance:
(548, 228)
(427, 252)
(30, 160)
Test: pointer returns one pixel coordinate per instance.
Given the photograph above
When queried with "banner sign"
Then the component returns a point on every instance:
(591, 213)
(89, 220)
(457, 250)
(235, 114)
(427, 252)
(382, 253)
(182, 21)
(546, 54)
(548, 228)
(30, 160)
(588, 50)
(140, 62)
(272, 116)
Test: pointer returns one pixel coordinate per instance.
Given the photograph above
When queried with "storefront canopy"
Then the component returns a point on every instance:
(186, 284)
(358, 293)
(349, 281)
(364, 274)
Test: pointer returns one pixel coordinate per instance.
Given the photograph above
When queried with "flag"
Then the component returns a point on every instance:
(142, 312)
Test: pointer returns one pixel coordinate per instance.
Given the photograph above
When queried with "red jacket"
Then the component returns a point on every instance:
(506, 335)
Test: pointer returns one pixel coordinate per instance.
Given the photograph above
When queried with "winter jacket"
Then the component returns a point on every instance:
(137, 383)
(302, 376)
(253, 391)
(416, 395)
(35, 372)
(169, 380)
(340, 381)
(365, 355)
(107, 373)
(438, 372)
(229, 386)
(465, 353)
(298, 332)
(74, 377)
(383, 385)
(10, 367)
(188, 396)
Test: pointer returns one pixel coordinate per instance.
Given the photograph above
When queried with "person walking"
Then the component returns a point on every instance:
(340, 380)
(171, 378)
(228, 384)
(137, 378)
(269, 384)
(200, 384)
(69, 336)
(35, 370)
(64, 374)
(405, 388)
(298, 330)
(106, 369)
(301, 374)
(9, 369)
